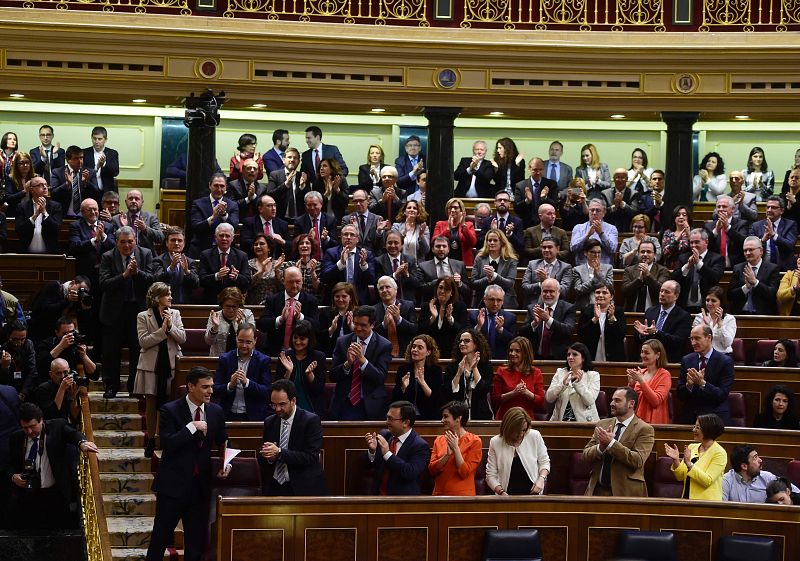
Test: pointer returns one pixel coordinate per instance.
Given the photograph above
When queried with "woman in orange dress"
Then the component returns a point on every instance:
(652, 383)
(456, 454)
(519, 383)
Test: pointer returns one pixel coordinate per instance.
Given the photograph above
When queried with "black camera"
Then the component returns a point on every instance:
(85, 297)
(31, 476)
(79, 381)
(78, 338)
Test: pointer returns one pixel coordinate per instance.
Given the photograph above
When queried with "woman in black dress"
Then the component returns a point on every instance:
(419, 380)
(445, 314)
(469, 376)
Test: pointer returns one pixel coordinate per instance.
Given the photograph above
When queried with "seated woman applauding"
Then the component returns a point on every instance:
(518, 463)
(519, 383)
(723, 326)
(652, 383)
(419, 380)
(574, 389)
(703, 461)
(456, 454)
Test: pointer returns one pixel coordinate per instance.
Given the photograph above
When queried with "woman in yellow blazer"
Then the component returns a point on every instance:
(703, 462)
(789, 292)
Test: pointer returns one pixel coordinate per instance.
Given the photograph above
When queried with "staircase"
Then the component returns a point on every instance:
(125, 475)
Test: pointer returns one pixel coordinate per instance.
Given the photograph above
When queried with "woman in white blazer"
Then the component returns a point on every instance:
(518, 463)
(574, 389)
(233, 313)
(161, 333)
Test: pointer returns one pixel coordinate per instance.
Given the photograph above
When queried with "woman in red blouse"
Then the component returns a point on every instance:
(461, 233)
(519, 383)
(652, 383)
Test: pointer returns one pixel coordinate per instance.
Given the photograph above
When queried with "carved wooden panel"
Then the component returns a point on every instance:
(264, 545)
(331, 544)
(402, 544)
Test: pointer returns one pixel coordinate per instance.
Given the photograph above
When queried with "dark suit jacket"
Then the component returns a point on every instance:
(529, 211)
(280, 191)
(82, 247)
(713, 398)
(112, 283)
(365, 178)
(61, 191)
(614, 335)
(182, 450)
(406, 329)
(516, 234)
(150, 238)
(59, 437)
(301, 456)
(272, 160)
(331, 274)
(501, 340)
(110, 169)
(257, 391)
(429, 276)
(738, 232)
(373, 375)
(405, 467)
(302, 225)
(237, 190)
(764, 293)
(532, 242)
(315, 390)
(710, 274)
(407, 285)
(368, 238)
(255, 225)
(273, 307)
(326, 342)
(675, 332)
(632, 283)
(210, 265)
(404, 168)
(787, 235)
(57, 160)
(181, 282)
(50, 225)
(560, 331)
(328, 151)
(483, 178)
(203, 233)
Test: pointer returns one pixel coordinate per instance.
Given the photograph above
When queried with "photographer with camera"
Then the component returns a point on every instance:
(42, 464)
(58, 396)
(18, 360)
(68, 344)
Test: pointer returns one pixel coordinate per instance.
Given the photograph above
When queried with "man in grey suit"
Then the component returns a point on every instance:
(555, 169)
(550, 323)
(442, 266)
(395, 319)
(548, 267)
(642, 282)
(369, 233)
(396, 264)
(590, 275)
(126, 272)
(145, 224)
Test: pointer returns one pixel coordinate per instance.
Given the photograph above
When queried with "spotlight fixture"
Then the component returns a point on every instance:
(139, 100)
(16, 95)
(378, 110)
(496, 113)
(617, 116)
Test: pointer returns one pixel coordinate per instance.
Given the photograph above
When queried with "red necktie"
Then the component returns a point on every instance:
(702, 362)
(546, 337)
(287, 334)
(723, 244)
(355, 386)
(223, 260)
(385, 480)
(267, 229)
(316, 160)
(315, 229)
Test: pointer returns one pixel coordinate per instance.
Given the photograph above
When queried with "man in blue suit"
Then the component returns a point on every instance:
(209, 212)
(266, 222)
(104, 162)
(89, 239)
(320, 225)
(46, 157)
(317, 152)
(223, 266)
(410, 165)
(502, 219)
(399, 454)
(778, 235)
(705, 380)
(292, 468)
(360, 364)
(496, 324)
(73, 182)
(273, 158)
(188, 427)
(243, 379)
(350, 264)
(667, 322)
(38, 220)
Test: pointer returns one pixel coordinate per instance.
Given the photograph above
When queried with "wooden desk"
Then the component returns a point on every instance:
(24, 274)
(13, 243)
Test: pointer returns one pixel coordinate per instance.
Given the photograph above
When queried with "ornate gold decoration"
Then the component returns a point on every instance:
(790, 13)
(639, 13)
(726, 13)
(563, 12)
(686, 83)
(485, 11)
(139, 6)
(348, 11)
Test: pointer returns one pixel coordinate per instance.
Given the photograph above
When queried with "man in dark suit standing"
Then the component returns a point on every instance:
(557, 170)
(666, 322)
(349, 263)
(223, 266)
(726, 234)
(475, 174)
(778, 235)
(145, 224)
(705, 380)
(754, 283)
(289, 456)
(247, 190)
(642, 282)
(288, 185)
(697, 272)
(73, 182)
(46, 157)
(400, 455)
(442, 266)
(496, 324)
(209, 212)
(282, 311)
(317, 152)
(266, 222)
(38, 220)
(89, 239)
(103, 161)
(176, 269)
(188, 428)
(43, 471)
(395, 319)
(550, 323)
(243, 379)
(320, 225)
(504, 221)
(360, 364)
(273, 158)
(367, 222)
(410, 165)
(534, 191)
(126, 272)
(403, 268)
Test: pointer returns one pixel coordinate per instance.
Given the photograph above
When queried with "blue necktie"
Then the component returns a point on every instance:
(490, 329)
(773, 251)
(34, 449)
(662, 317)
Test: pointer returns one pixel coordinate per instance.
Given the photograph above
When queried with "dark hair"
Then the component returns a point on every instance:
(791, 352)
(64, 320)
(776, 199)
(4, 140)
(305, 329)
(583, 350)
(757, 150)
(100, 131)
(350, 290)
(365, 311)
(197, 373)
(590, 243)
(244, 326)
(511, 151)
(609, 287)
(296, 244)
(630, 395)
(74, 151)
(555, 240)
(47, 127)
(15, 325)
(739, 456)
(336, 169)
(675, 212)
(287, 386)
(450, 284)
(263, 236)
(720, 164)
(664, 175)
(775, 390)
(458, 410)
(711, 425)
(407, 411)
(779, 485)
(644, 156)
(557, 142)
(246, 139)
(278, 135)
(719, 294)
(480, 342)
(316, 131)
(172, 231)
(29, 411)
(291, 149)
(412, 137)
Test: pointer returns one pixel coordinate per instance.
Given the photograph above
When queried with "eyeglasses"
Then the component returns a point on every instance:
(280, 405)
(390, 418)
(464, 341)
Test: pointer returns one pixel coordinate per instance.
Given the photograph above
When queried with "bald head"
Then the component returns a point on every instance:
(547, 215)
(620, 178)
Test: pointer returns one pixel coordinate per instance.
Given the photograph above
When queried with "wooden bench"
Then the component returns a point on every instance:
(14, 244)
(25, 274)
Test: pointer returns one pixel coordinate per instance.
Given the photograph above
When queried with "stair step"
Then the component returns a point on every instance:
(138, 554)
(126, 482)
(117, 421)
(123, 460)
(120, 404)
(127, 504)
(119, 438)
(134, 531)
